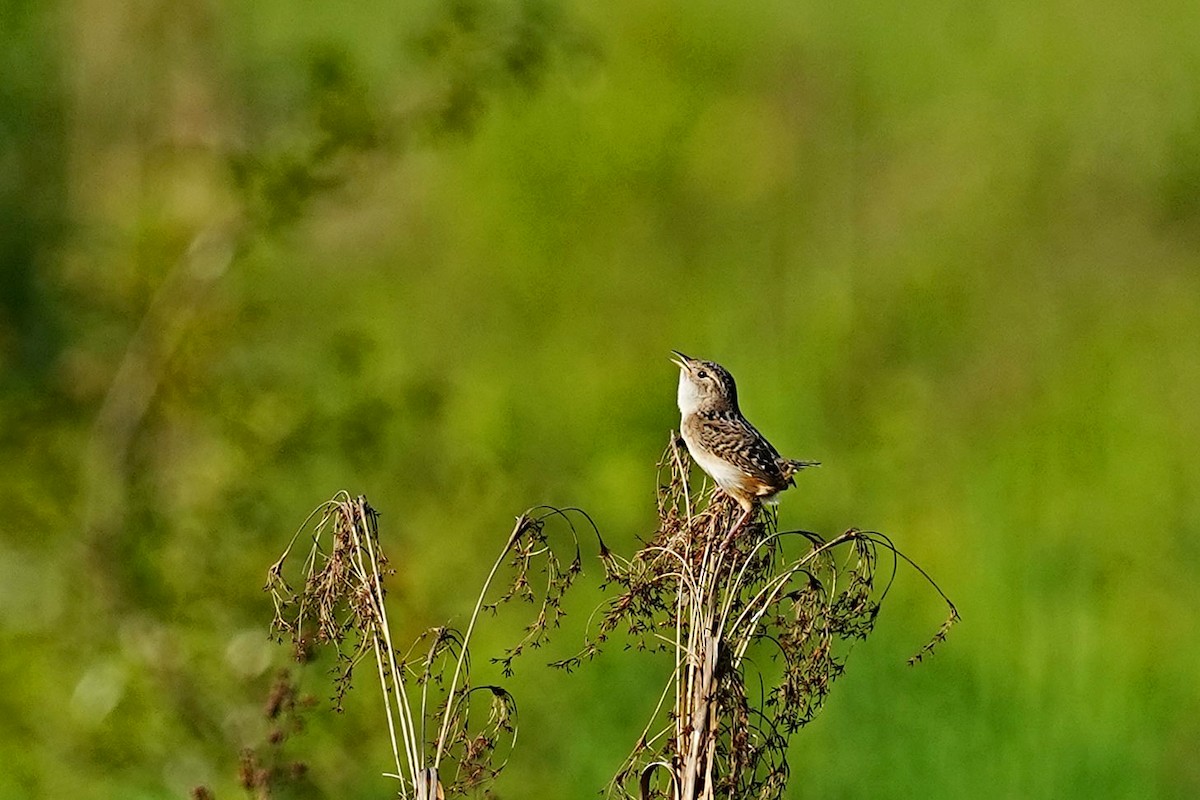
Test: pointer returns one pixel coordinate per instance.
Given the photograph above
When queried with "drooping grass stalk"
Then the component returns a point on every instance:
(522, 522)
(342, 605)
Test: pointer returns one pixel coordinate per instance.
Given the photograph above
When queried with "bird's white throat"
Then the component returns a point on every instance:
(689, 395)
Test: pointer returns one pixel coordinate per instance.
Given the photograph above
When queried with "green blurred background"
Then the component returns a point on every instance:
(439, 253)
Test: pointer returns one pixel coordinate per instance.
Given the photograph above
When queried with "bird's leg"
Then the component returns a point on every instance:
(737, 526)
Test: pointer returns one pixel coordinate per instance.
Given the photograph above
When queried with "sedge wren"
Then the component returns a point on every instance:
(725, 445)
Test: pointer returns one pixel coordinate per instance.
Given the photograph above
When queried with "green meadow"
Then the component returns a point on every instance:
(438, 253)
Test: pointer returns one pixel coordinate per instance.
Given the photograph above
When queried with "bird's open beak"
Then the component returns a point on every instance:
(680, 360)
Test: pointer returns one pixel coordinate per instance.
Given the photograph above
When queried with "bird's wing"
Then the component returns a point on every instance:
(740, 443)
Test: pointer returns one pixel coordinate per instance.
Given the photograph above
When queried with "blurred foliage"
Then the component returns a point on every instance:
(437, 253)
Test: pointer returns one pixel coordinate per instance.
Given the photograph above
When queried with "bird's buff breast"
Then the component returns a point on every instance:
(726, 475)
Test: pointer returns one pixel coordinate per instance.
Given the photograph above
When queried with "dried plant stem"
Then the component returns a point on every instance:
(392, 689)
(679, 466)
(522, 523)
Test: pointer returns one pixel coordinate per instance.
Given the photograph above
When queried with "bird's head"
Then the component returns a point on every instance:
(704, 386)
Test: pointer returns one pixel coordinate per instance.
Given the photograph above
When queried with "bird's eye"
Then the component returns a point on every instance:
(701, 374)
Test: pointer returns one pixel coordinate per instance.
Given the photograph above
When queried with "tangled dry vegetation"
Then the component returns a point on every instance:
(448, 736)
(757, 625)
(757, 621)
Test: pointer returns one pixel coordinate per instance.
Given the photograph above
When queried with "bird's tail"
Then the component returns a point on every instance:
(790, 467)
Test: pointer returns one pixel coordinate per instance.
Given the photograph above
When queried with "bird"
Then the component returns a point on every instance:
(722, 441)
